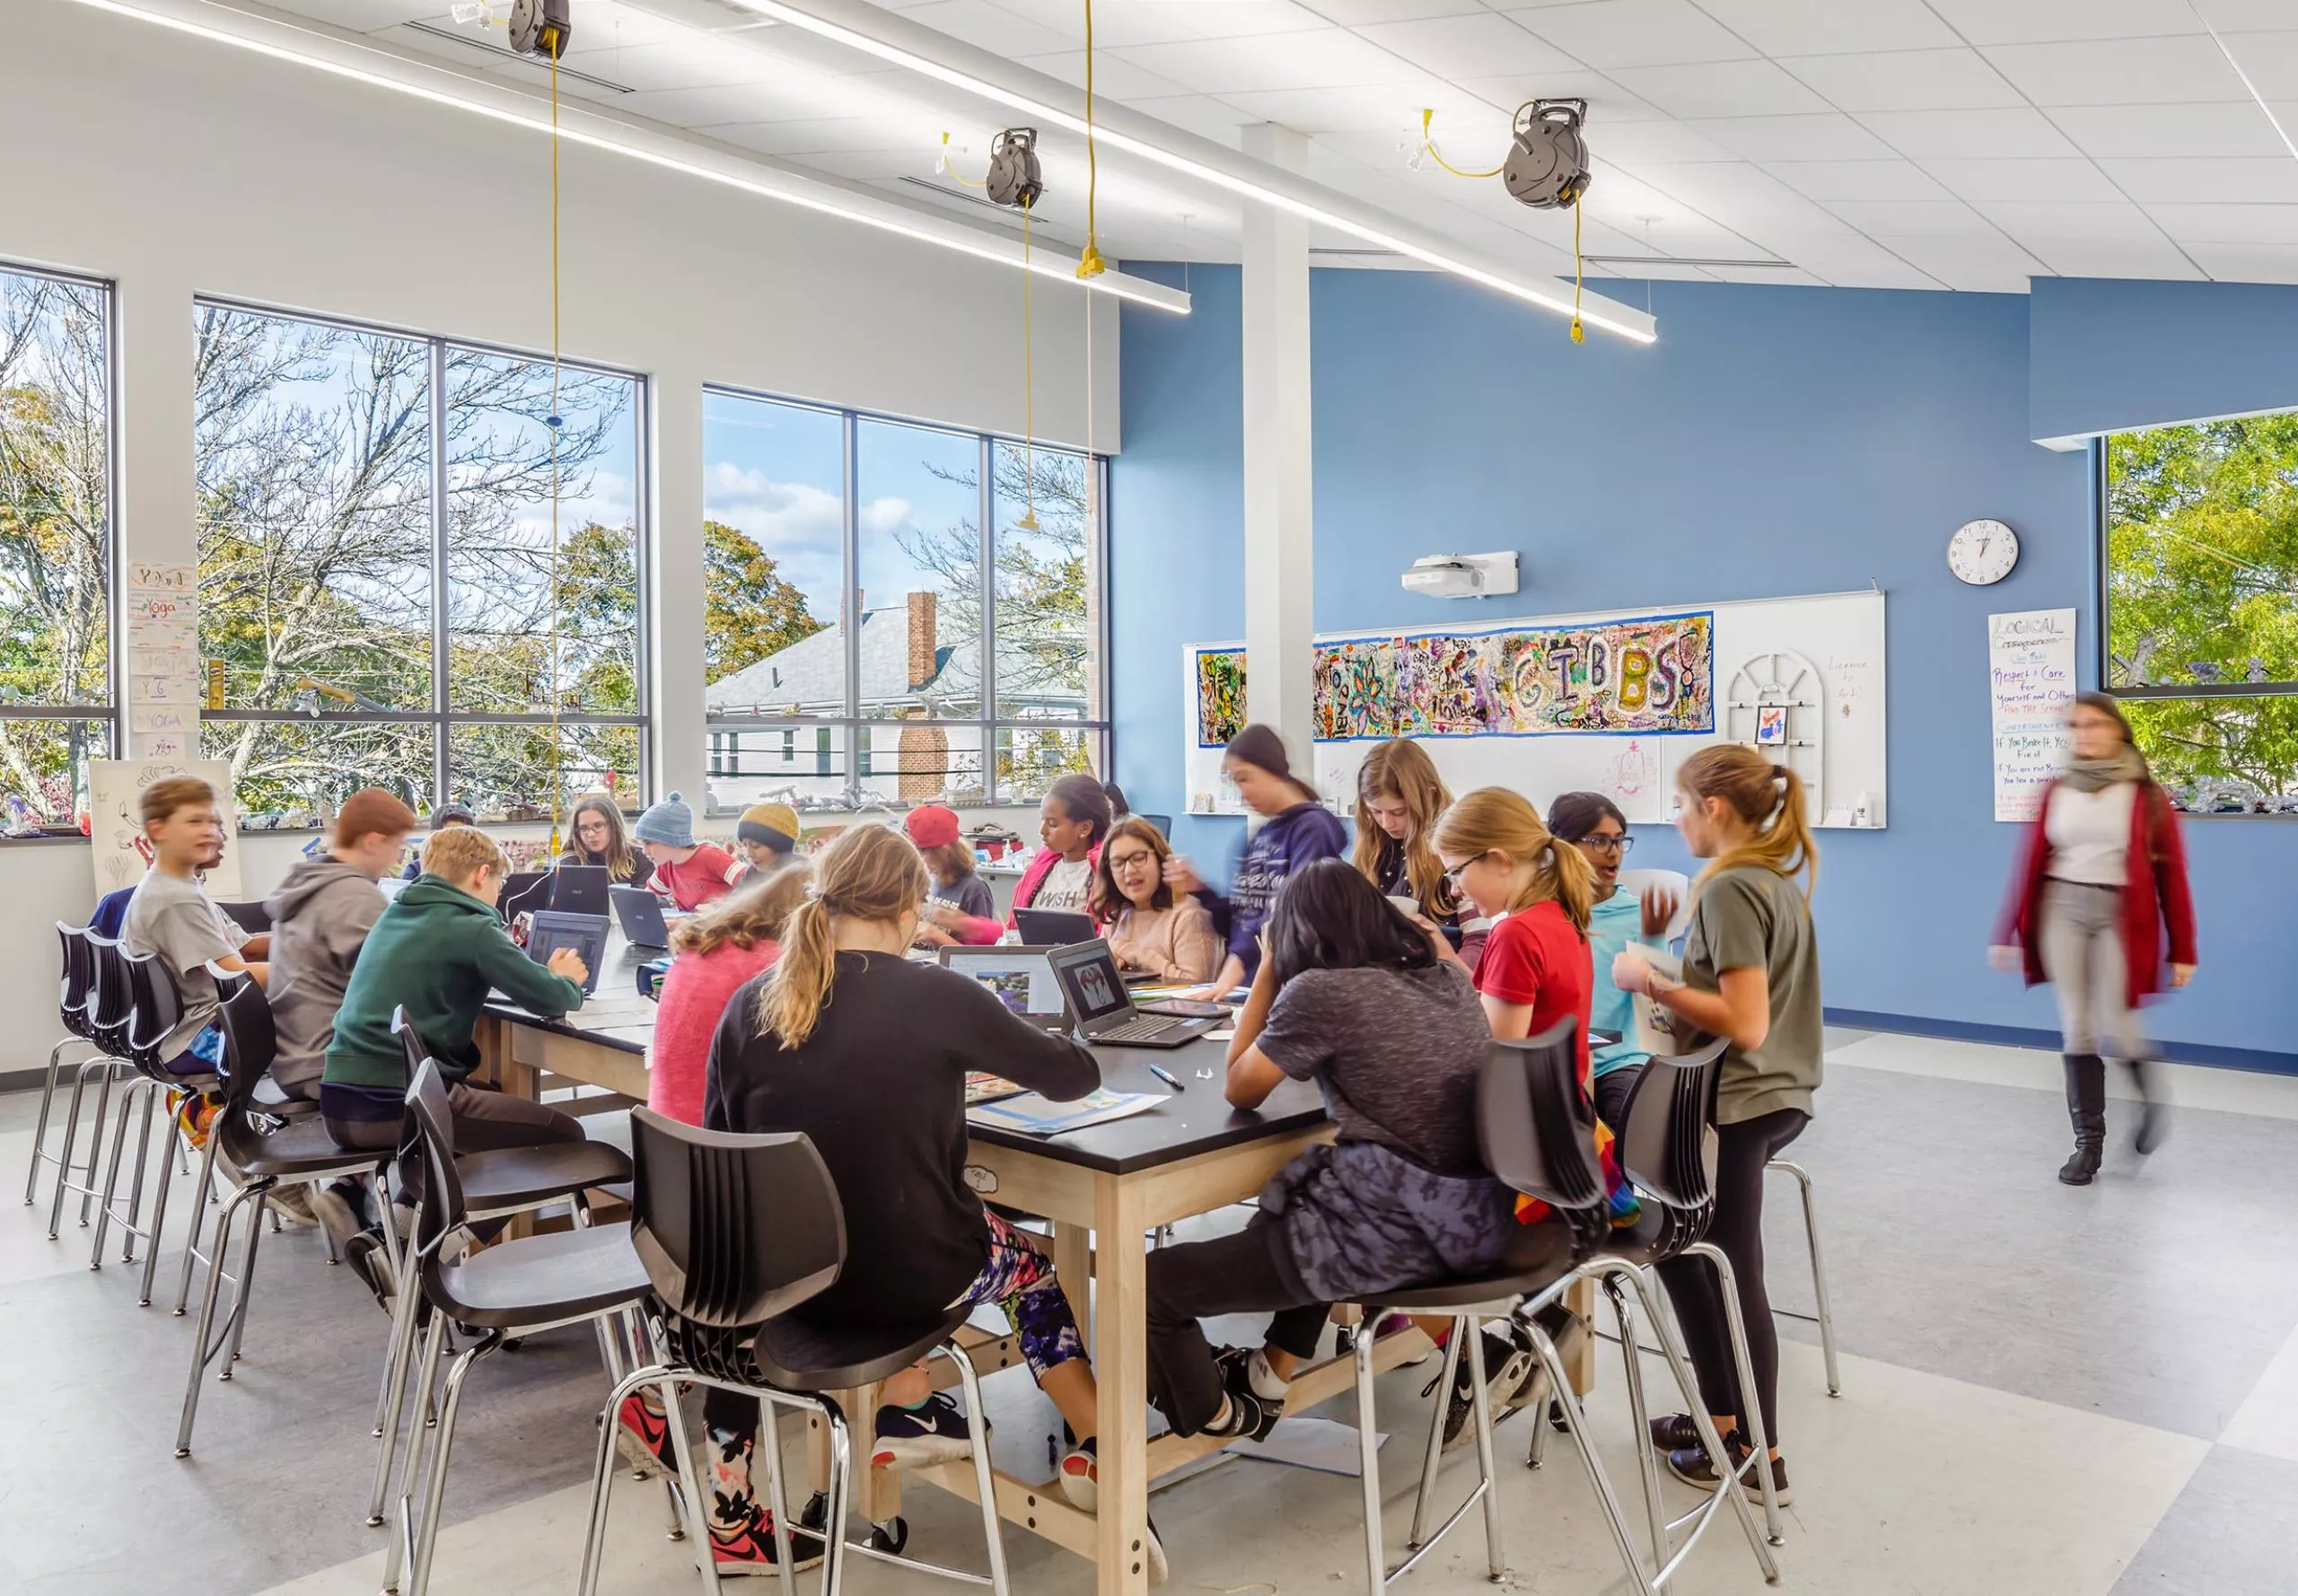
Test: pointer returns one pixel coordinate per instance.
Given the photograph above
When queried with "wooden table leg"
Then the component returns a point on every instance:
(1072, 1266)
(1121, 1368)
(1581, 1367)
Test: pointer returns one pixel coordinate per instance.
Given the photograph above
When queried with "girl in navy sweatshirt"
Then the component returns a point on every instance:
(1299, 831)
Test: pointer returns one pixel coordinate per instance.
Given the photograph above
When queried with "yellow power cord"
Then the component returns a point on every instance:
(1578, 334)
(1089, 263)
(953, 171)
(1428, 143)
(1029, 521)
(552, 43)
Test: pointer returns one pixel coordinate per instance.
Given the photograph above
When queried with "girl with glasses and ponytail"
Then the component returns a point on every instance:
(1751, 976)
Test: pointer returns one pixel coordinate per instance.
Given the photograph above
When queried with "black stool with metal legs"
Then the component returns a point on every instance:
(735, 1232)
(520, 1288)
(1822, 1312)
(76, 1007)
(141, 984)
(258, 1161)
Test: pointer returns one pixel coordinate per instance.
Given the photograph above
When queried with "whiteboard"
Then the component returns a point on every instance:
(1817, 662)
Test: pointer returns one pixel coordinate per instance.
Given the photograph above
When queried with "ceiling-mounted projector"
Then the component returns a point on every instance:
(540, 27)
(1463, 576)
(1015, 177)
(1548, 165)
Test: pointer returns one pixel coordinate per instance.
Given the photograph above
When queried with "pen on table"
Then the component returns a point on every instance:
(1166, 1075)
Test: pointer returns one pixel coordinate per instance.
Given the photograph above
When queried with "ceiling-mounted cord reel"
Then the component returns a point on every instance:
(1548, 165)
(541, 27)
(1015, 177)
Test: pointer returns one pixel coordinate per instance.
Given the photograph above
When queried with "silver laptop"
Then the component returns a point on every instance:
(1095, 989)
(1021, 977)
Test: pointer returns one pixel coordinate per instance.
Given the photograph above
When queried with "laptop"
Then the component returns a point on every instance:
(579, 888)
(1054, 927)
(523, 892)
(641, 914)
(553, 929)
(1105, 1014)
(1020, 977)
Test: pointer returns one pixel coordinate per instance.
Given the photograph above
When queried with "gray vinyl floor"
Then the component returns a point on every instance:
(2045, 1390)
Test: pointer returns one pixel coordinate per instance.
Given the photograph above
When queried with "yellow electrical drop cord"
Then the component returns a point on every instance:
(1029, 521)
(551, 42)
(1578, 334)
(1089, 263)
(953, 171)
(1429, 144)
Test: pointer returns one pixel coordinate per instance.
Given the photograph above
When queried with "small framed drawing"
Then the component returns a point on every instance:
(1771, 726)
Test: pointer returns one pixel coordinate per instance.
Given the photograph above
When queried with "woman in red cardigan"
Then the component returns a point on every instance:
(2100, 897)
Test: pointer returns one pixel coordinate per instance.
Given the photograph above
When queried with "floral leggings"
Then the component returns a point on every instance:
(1018, 1277)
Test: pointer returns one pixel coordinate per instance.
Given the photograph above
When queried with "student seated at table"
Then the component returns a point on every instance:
(1072, 820)
(714, 953)
(688, 872)
(443, 817)
(766, 839)
(436, 951)
(171, 915)
(1152, 928)
(865, 1051)
(598, 838)
(961, 910)
(1299, 830)
(1356, 997)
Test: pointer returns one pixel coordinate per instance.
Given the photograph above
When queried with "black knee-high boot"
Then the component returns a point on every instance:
(2086, 1106)
(2154, 1122)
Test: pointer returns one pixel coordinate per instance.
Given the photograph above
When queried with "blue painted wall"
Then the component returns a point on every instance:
(1776, 441)
(2108, 355)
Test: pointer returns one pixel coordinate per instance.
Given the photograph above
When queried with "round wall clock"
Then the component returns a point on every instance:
(1982, 552)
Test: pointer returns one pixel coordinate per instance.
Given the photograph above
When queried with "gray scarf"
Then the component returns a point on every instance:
(2092, 775)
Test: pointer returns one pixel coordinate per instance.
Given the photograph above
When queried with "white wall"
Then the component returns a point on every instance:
(176, 167)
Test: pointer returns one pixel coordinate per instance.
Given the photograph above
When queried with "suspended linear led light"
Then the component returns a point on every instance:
(280, 40)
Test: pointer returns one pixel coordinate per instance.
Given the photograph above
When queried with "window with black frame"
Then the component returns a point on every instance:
(407, 584)
(2201, 599)
(56, 546)
(969, 567)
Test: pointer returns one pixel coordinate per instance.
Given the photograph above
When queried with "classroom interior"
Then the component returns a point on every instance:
(717, 447)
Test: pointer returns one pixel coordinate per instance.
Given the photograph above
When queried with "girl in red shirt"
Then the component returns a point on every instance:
(1539, 892)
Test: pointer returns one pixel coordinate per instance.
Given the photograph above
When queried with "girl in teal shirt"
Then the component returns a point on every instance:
(1593, 824)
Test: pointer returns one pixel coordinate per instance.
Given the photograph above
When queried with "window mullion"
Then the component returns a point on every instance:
(441, 777)
(850, 426)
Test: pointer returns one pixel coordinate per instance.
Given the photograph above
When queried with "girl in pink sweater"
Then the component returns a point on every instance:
(718, 949)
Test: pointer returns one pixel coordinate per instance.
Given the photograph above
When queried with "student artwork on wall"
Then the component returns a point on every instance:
(121, 852)
(1220, 681)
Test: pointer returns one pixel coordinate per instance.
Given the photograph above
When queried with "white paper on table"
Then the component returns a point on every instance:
(1323, 1445)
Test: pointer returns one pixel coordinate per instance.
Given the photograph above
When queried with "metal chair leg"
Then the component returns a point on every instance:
(1749, 1399)
(841, 1485)
(769, 1439)
(40, 1129)
(1368, 1462)
(985, 1482)
(693, 1488)
(96, 1133)
(391, 1401)
(602, 1473)
(1575, 1426)
(137, 1088)
(201, 1351)
(205, 1194)
(397, 1551)
(132, 1226)
(434, 1494)
(241, 1299)
(159, 1215)
(1428, 1463)
(71, 1136)
(1488, 1484)
(1818, 1270)
(1640, 1420)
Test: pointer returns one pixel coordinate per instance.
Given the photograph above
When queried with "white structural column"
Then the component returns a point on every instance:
(157, 499)
(1279, 525)
(680, 741)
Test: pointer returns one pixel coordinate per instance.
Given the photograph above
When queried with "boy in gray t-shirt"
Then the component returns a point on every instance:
(172, 917)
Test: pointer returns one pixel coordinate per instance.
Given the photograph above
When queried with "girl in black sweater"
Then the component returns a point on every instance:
(866, 1053)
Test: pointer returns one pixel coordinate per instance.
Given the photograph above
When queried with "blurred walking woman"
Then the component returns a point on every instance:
(2099, 900)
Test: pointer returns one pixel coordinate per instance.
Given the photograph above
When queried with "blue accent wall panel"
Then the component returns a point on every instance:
(2108, 355)
(1776, 441)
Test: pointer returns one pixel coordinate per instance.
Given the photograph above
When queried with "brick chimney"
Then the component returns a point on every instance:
(921, 648)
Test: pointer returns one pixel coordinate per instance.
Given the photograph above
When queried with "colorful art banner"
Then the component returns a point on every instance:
(1651, 674)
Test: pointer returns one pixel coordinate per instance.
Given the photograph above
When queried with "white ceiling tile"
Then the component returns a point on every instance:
(372, 16)
(1393, 111)
(2198, 132)
(1772, 277)
(2131, 72)
(2134, 258)
(1984, 264)
(2074, 180)
(1331, 58)
(1113, 75)
(683, 65)
(2117, 222)
(1357, 14)
(2245, 16)
(1741, 196)
(1136, 23)
(2171, 182)
(2270, 60)
(1914, 218)
(2248, 263)
(737, 102)
(841, 133)
(1608, 102)
(1906, 79)
(1830, 180)
(989, 26)
(1200, 114)
(1640, 143)
(1612, 33)
(1468, 47)
(1849, 260)
(2001, 133)
(1830, 27)
(2029, 22)
(2228, 223)
(1720, 89)
(1824, 135)
(1241, 19)
(1387, 152)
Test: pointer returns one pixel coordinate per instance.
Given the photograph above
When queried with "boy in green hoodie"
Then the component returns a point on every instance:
(436, 951)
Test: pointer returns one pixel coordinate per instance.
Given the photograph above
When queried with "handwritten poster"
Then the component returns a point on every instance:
(165, 681)
(120, 851)
(2030, 670)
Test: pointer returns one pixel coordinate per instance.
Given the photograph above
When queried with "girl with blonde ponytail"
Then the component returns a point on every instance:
(1751, 976)
(850, 1043)
(1498, 856)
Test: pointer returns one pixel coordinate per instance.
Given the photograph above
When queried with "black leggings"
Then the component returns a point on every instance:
(1737, 1230)
(1251, 1271)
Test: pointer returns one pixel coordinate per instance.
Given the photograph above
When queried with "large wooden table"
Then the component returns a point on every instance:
(1105, 1189)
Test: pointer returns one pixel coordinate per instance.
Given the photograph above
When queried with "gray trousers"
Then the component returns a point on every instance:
(2081, 948)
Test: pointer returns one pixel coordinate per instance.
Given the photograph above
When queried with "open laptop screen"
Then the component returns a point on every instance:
(1022, 978)
(1090, 978)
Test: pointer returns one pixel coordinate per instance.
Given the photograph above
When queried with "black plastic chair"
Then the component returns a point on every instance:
(735, 1233)
(520, 1288)
(252, 916)
(258, 1159)
(76, 999)
(137, 1010)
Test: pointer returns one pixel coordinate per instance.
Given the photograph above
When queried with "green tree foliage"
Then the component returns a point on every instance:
(752, 612)
(2202, 589)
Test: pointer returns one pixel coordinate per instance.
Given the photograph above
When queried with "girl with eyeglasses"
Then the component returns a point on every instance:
(1152, 928)
(1593, 824)
(1537, 892)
